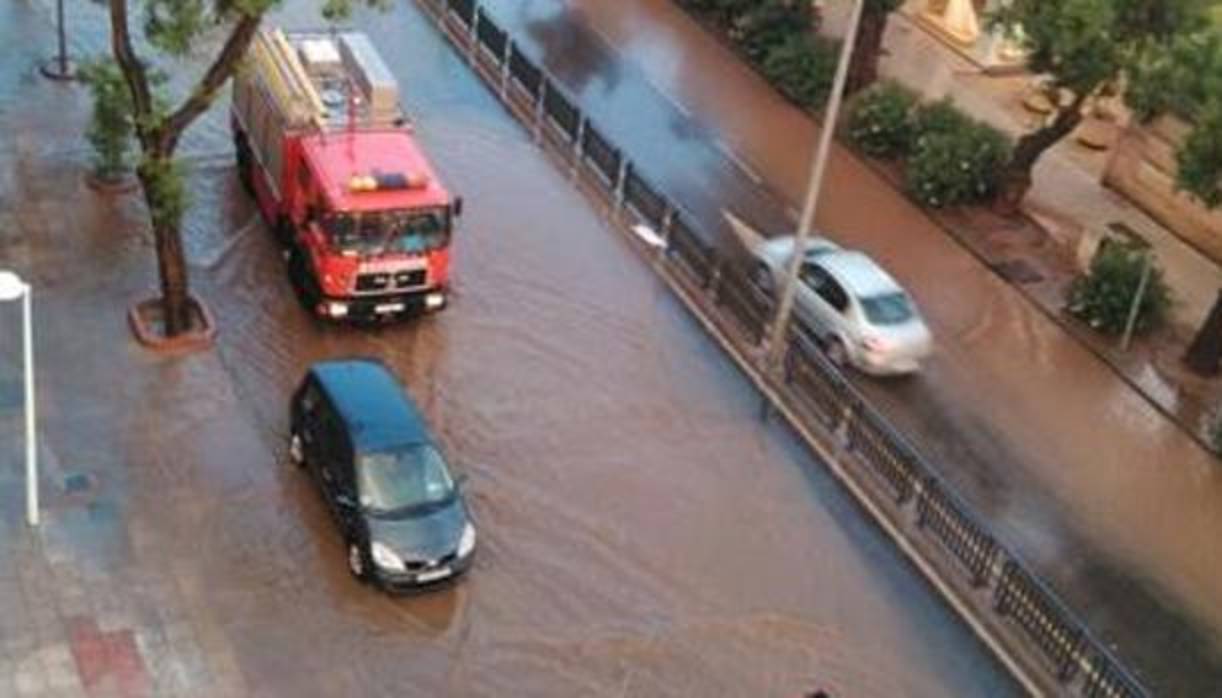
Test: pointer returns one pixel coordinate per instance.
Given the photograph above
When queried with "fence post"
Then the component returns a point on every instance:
(506, 52)
(843, 431)
(668, 220)
(473, 37)
(540, 96)
(617, 187)
(714, 286)
(577, 147)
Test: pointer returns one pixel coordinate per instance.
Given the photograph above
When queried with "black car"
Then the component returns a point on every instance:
(401, 513)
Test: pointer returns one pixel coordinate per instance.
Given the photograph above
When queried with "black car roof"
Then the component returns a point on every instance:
(377, 409)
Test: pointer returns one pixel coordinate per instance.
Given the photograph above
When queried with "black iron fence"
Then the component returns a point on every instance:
(967, 556)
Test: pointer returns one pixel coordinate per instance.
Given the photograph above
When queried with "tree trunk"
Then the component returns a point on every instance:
(1205, 352)
(1016, 175)
(863, 66)
(171, 261)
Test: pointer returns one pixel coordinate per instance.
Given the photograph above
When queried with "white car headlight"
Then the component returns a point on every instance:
(434, 301)
(386, 558)
(467, 543)
(337, 309)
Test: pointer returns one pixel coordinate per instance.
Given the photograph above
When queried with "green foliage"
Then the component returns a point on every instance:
(724, 12)
(1199, 159)
(1179, 78)
(173, 25)
(770, 24)
(1215, 431)
(802, 68)
(939, 117)
(1186, 79)
(110, 126)
(1103, 298)
(880, 120)
(1087, 47)
(165, 190)
(954, 159)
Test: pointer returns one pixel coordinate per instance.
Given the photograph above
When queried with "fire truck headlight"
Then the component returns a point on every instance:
(337, 309)
(433, 301)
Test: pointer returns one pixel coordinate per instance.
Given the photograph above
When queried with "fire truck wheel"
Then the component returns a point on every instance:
(242, 150)
(299, 276)
(284, 231)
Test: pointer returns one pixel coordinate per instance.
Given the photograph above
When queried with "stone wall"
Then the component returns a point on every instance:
(1142, 167)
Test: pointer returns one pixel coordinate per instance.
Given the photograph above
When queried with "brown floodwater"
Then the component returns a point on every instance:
(643, 533)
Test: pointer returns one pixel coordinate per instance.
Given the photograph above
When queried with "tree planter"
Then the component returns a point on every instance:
(145, 318)
(111, 186)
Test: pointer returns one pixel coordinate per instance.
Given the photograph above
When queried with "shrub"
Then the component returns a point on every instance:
(771, 24)
(1103, 297)
(724, 12)
(802, 68)
(939, 117)
(880, 121)
(1214, 431)
(954, 159)
(110, 127)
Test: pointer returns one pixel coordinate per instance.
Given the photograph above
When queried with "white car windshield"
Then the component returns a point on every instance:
(409, 478)
(888, 308)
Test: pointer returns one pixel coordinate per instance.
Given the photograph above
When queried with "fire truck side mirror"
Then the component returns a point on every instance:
(457, 206)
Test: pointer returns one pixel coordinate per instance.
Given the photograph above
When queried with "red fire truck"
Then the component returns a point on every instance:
(325, 149)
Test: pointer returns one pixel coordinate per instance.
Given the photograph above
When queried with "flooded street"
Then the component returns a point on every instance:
(1102, 494)
(643, 533)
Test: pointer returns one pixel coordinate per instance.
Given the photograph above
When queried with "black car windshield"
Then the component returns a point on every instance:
(410, 478)
(372, 232)
(888, 308)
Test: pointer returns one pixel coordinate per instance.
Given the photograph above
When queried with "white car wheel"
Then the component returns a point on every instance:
(837, 353)
(762, 277)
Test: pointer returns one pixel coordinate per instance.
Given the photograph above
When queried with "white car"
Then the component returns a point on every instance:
(855, 309)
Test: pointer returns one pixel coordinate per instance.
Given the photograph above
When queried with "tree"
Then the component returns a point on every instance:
(1185, 79)
(1086, 47)
(863, 66)
(177, 29)
(110, 126)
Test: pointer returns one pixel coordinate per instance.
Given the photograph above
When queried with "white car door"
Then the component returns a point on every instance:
(812, 308)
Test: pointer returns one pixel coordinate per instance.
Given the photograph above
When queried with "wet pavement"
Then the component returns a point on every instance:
(1113, 505)
(642, 532)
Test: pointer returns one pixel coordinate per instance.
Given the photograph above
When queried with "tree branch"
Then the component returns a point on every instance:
(133, 71)
(218, 73)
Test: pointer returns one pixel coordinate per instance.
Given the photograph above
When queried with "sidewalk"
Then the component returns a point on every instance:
(94, 601)
(1109, 500)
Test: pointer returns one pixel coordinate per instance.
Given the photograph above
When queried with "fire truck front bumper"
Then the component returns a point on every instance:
(383, 308)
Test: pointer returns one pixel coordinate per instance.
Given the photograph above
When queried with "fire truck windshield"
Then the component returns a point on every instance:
(374, 232)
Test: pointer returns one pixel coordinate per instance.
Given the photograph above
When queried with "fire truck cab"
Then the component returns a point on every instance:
(324, 147)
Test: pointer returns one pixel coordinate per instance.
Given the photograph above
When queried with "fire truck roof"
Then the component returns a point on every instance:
(373, 171)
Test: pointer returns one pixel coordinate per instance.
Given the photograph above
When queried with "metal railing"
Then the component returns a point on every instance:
(994, 583)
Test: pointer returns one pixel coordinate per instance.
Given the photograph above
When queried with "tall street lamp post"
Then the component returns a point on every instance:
(776, 338)
(12, 288)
